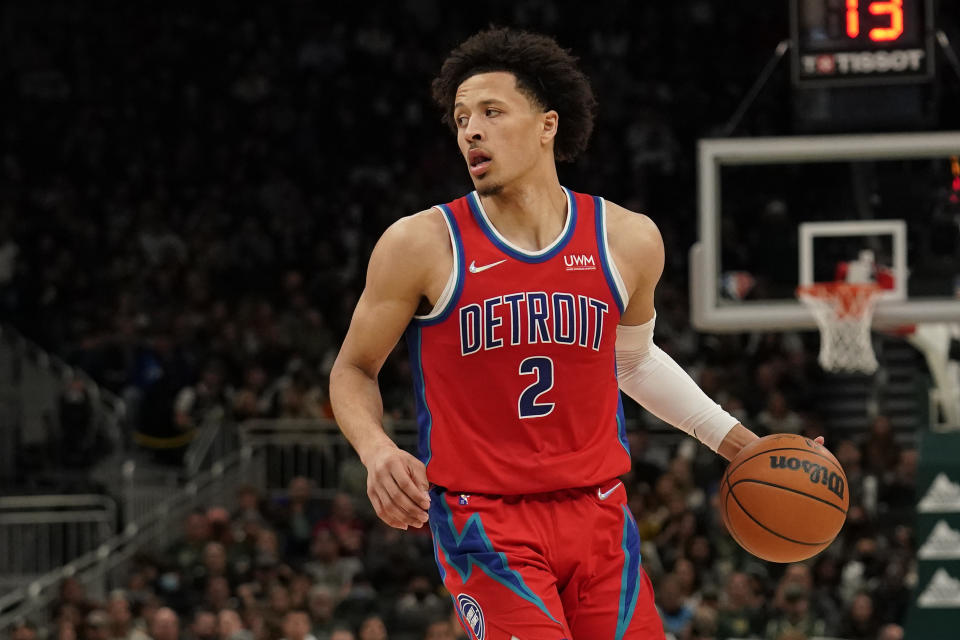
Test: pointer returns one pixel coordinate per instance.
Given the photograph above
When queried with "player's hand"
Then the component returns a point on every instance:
(397, 487)
(819, 441)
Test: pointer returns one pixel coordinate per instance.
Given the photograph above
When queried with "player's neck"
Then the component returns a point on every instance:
(530, 214)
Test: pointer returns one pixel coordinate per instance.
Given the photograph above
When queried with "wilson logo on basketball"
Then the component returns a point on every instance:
(819, 474)
(580, 262)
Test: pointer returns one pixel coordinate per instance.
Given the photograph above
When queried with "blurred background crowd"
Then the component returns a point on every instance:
(188, 195)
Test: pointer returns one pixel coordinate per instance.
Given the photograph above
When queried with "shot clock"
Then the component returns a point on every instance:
(838, 42)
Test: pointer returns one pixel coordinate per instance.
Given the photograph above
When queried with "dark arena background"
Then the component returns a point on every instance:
(190, 192)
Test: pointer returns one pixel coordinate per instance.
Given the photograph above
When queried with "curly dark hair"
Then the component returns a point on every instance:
(545, 73)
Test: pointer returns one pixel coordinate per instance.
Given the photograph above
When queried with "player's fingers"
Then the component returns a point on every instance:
(413, 513)
(385, 514)
(418, 472)
(819, 440)
(392, 508)
(413, 481)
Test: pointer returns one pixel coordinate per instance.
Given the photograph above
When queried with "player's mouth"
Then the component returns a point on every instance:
(479, 161)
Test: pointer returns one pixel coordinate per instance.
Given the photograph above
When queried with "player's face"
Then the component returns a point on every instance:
(502, 134)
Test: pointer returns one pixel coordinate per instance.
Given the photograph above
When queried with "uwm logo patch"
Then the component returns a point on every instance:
(579, 262)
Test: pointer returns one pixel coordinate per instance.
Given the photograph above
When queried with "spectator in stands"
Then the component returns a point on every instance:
(891, 593)
(299, 586)
(861, 484)
(795, 615)
(213, 565)
(778, 417)
(740, 612)
(416, 603)
(320, 604)
(149, 605)
(165, 625)
(327, 567)
(345, 526)
(220, 529)
(880, 450)
(230, 626)
(121, 619)
(676, 615)
(96, 625)
(23, 630)
(439, 629)
(196, 402)
(296, 625)
(301, 397)
(860, 621)
(266, 550)
(342, 633)
(296, 516)
(187, 554)
(822, 606)
(278, 603)
(68, 621)
(372, 628)
(250, 400)
(256, 622)
(216, 594)
(361, 600)
(890, 632)
(248, 503)
(899, 490)
(73, 593)
(203, 626)
(687, 579)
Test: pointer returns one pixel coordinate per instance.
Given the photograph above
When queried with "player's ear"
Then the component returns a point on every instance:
(550, 120)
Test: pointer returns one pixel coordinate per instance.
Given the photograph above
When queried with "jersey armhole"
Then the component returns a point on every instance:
(451, 292)
(610, 271)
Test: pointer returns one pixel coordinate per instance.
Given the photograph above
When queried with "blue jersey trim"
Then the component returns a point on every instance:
(471, 547)
(474, 201)
(598, 216)
(458, 265)
(630, 579)
(622, 424)
(424, 417)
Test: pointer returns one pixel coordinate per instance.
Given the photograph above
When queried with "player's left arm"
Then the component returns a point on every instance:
(645, 372)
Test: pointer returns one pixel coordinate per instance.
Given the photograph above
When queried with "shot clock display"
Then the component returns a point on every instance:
(861, 41)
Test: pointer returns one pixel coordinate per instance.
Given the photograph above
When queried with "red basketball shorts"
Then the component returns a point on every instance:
(561, 565)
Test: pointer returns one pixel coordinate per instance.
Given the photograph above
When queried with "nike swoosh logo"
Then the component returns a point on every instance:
(603, 495)
(475, 269)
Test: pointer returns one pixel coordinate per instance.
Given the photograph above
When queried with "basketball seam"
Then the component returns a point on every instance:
(779, 535)
(726, 516)
(730, 528)
(756, 455)
(779, 486)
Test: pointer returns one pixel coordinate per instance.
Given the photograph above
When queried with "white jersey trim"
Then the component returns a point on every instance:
(614, 271)
(533, 254)
(444, 300)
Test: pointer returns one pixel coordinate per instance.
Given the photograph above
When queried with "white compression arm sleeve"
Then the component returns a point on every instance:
(652, 378)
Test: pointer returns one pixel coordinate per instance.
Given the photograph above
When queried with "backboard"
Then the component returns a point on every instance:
(778, 212)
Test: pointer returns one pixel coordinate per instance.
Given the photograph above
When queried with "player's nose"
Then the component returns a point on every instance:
(473, 132)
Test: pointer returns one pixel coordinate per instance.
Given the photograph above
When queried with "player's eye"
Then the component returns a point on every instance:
(461, 121)
(490, 113)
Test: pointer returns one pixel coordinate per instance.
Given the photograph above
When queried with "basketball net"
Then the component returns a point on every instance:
(844, 312)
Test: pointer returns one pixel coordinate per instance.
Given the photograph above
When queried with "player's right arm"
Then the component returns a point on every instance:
(403, 267)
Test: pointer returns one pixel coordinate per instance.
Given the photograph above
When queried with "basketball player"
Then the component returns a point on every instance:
(525, 306)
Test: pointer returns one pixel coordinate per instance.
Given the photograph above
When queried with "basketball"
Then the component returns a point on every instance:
(784, 498)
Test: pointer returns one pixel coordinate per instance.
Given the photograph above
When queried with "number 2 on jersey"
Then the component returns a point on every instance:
(528, 405)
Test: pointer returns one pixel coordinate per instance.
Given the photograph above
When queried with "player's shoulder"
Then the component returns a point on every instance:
(626, 227)
(419, 234)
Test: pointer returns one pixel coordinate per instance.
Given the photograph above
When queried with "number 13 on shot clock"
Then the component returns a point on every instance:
(861, 42)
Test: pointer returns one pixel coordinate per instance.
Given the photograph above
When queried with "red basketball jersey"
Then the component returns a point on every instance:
(514, 370)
